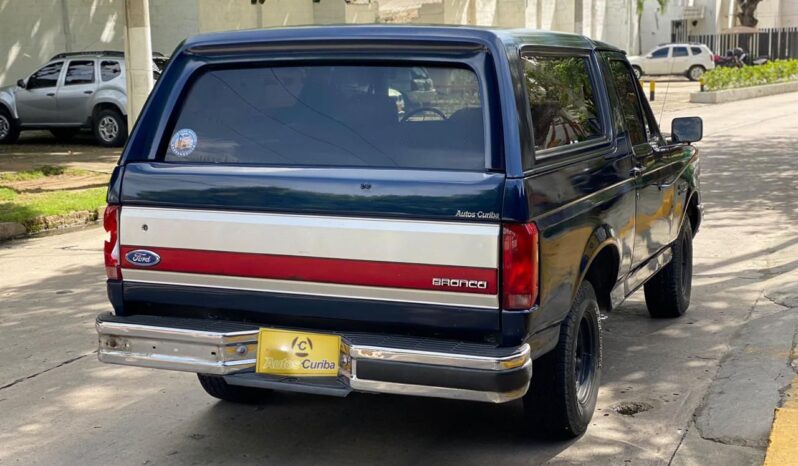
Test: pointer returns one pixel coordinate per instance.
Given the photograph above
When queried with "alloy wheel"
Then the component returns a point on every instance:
(5, 127)
(108, 128)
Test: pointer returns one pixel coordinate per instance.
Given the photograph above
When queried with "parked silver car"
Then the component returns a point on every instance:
(72, 91)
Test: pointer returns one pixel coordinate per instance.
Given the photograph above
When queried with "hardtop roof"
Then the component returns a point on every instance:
(518, 37)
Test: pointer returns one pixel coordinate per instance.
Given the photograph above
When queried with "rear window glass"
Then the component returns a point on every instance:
(370, 116)
(696, 50)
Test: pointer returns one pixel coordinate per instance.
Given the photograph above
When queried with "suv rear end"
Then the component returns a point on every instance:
(324, 210)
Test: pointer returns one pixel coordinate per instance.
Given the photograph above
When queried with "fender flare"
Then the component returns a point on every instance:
(602, 237)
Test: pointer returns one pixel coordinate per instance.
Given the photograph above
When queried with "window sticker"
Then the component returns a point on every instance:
(183, 142)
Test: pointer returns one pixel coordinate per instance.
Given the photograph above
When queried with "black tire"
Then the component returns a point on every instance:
(695, 72)
(637, 71)
(565, 381)
(110, 128)
(216, 387)
(9, 128)
(64, 134)
(668, 292)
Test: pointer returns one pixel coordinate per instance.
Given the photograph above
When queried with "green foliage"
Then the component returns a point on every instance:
(639, 4)
(40, 172)
(771, 72)
(24, 207)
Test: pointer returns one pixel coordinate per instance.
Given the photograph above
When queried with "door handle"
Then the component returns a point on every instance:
(50, 94)
(88, 92)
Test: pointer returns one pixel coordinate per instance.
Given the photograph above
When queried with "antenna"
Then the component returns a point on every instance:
(664, 101)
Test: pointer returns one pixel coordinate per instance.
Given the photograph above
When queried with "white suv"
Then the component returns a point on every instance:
(691, 60)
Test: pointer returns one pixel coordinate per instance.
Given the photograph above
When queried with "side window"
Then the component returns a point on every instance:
(109, 70)
(46, 76)
(626, 86)
(680, 52)
(660, 53)
(79, 72)
(696, 50)
(562, 100)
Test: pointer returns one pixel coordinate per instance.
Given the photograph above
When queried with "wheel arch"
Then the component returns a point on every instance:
(104, 105)
(693, 212)
(601, 253)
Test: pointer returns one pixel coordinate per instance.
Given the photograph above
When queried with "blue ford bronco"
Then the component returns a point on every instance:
(430, 211)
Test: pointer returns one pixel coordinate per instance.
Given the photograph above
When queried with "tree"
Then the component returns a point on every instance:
(747, 11)
(640, 4)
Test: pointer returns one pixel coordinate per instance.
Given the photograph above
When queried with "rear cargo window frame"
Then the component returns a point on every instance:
(476, 63)
(585, 149)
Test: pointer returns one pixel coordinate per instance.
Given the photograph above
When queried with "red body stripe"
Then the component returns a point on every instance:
(316, 269)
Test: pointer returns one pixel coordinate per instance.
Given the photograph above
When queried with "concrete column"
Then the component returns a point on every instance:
(138, 57)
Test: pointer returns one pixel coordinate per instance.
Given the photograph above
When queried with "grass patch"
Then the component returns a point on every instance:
(24, 207)
(769, 73)
(7, 194)
(41, 172)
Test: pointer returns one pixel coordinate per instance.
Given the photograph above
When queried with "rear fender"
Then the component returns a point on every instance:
(604, 236)
(113, 97)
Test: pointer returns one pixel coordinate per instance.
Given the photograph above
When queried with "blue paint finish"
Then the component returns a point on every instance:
(340, 191)
(312, 312)
(582, 198)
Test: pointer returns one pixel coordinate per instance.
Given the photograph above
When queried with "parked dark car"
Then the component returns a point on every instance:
(276, 221)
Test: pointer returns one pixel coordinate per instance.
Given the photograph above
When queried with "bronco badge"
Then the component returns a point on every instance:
(143, 258)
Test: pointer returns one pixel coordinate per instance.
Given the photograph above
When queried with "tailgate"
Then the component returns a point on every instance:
(330, 196)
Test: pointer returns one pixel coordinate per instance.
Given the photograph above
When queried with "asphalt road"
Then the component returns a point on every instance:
(707, 383)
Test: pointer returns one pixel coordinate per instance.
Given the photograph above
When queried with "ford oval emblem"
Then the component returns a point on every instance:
(143, 258)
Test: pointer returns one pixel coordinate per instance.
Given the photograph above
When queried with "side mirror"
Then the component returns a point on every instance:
(687, 129)
(21, 83)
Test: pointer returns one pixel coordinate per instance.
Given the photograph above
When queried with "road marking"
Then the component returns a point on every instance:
(783, 442)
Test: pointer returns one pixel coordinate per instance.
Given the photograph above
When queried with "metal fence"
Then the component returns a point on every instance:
(772, 43)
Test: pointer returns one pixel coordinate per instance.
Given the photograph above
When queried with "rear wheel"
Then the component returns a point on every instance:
(216, 387)
(9, 130)
(638, 71)
(64, 134)
(565, 381)
(695, 72)
(110, 128)
(668, 292)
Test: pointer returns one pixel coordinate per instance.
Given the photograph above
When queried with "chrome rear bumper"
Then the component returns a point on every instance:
(370, 363)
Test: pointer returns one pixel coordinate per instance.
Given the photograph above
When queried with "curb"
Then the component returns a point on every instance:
(48, 223)
(742, 93)
(783, 442)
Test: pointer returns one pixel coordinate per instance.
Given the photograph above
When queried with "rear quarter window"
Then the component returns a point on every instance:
(562, 100)
(332, 115)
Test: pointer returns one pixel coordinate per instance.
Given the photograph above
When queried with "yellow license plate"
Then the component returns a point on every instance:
(284, 352)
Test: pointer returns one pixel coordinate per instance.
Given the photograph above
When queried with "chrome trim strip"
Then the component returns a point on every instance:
(444, 298)
(518, 358)
(375, 386)
(371, 239)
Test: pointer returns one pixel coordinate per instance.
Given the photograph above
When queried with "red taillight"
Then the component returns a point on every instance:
(111, 250)
(519, 265)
